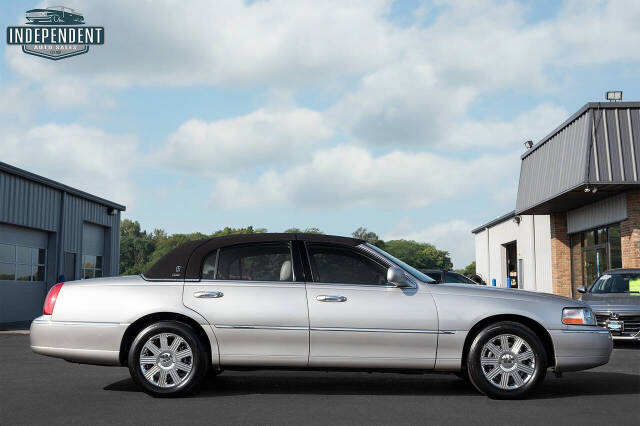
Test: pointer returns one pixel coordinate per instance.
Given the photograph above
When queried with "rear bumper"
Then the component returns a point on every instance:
(581, 348)
(83, 342)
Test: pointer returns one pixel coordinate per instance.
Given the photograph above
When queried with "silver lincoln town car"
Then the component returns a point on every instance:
(311, 302)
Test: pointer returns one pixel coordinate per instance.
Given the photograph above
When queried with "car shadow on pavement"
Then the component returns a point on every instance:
(589, 383)
(573, 384)
(626, 345)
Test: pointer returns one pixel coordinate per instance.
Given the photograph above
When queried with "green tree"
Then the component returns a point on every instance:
(230, 231)
(419, 255)
(167, 244)
(136, 247)
(470, 269)
(309, 230)
(366, 235)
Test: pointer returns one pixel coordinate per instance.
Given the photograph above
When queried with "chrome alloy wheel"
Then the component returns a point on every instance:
(508, 361)
(166, 360)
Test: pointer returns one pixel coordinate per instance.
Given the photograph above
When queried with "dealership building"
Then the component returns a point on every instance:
(577, 212)
(50, 232)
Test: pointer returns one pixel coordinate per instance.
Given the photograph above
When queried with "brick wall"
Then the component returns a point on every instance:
(560, 255)
(630, 232)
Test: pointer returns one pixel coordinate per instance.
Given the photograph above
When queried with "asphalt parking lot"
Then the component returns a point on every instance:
(40, 390)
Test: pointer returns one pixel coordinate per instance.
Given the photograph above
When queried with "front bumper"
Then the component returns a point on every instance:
(629, 317)
(626, 337)
(581, 348)
(83, 342)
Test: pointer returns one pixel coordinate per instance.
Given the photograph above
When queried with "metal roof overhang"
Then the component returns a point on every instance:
(597, 147)
(577, 197)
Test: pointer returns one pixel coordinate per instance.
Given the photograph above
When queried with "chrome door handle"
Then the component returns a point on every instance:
(324, 298)
(208, 294)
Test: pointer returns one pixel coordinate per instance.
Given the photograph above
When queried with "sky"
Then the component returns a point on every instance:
(407, 117)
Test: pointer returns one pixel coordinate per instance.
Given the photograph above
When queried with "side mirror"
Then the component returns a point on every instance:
(582, 289)
(397, 277)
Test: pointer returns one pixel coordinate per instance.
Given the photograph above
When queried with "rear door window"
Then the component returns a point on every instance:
(252, 262)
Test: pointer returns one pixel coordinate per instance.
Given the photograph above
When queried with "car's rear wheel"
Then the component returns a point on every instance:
(168, 359)
(506, 360)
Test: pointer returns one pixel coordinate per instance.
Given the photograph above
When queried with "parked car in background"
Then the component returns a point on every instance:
(442, 276)
(615, 299)
(305, 301)
(55, 15)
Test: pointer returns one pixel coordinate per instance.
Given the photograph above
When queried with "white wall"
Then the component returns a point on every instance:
(533, 248)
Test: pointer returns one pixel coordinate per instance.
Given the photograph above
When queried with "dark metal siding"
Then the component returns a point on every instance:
(30, 201)
(604, 212)
(28, 204)
(556, 166)
(77, 212)
(614, 146)
(600, 144)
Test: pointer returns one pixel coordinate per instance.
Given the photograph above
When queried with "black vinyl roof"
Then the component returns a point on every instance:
(185, 261)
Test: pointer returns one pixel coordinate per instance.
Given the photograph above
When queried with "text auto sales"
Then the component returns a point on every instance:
(55, 35)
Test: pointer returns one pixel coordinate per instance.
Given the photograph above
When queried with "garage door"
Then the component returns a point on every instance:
(92, 251)
(23, 259)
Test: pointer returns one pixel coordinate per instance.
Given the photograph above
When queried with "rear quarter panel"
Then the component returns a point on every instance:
(115, 303)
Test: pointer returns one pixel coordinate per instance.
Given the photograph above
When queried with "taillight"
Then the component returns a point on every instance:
(50, 301)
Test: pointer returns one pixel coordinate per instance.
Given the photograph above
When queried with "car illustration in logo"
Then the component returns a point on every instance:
(55, 15)
(55, 32)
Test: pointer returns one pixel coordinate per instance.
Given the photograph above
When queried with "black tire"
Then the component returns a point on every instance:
(491, 388)
(198, 361)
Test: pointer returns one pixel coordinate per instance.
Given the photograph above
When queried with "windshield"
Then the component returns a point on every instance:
(410, 269)
(453, 277)
(618, 283)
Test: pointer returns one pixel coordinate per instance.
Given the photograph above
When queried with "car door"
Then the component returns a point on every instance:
(258, 308)
(357, 319)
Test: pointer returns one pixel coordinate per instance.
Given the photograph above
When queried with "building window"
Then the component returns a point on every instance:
(18, 263)
(91, 266)
(593, 252)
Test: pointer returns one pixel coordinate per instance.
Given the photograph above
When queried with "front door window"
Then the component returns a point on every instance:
(333, 264)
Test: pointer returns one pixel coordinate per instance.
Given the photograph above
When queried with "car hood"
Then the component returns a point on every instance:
(612, 301)
(503, 293)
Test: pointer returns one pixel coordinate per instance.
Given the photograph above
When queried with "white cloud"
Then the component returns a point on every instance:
(17, 101)
(261, 138)
(529, 125)
(486, 44)
(348, 176)
(86, 158)
(225, 42)
(453, 236)
(598, 32)
(401, 104)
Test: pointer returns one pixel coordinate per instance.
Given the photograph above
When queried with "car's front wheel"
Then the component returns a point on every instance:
(168, 359)
(506, 360)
